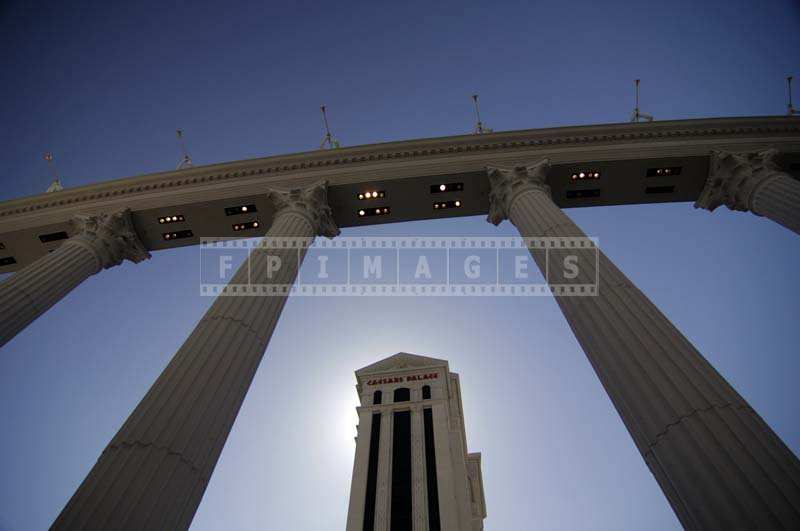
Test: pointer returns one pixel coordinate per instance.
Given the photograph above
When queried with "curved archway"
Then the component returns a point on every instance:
(402, 394)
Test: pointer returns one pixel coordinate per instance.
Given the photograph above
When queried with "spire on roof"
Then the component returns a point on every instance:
(56, 185)
(186, 160)
(328, 140)
(639, 116)
(479, 128)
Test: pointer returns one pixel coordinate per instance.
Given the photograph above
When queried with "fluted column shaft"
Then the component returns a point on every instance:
(153, 473)
(358, 489)
(717, 461)
(449, 512)
(419, 498)
(752, 182)
(99, 242)
(33, 290)
(779, 200)
(383, 490)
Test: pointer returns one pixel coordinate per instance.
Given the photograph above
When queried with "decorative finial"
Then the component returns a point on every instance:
(479, 128)
(186, 160)
(329, 140)
(55, 186)
(638, 116)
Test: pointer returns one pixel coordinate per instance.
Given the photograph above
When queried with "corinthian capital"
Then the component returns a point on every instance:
(112, 237)
(734, 178)
(311, 203)
(508, 184)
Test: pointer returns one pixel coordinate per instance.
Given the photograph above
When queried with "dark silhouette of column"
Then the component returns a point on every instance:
(99, 242)
(717, 461)
(153, 473)
(752, 182)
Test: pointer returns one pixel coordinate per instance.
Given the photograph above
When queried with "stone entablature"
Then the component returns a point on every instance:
(289, 171)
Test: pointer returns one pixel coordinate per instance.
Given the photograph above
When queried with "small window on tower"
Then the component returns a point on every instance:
(426, 392)
(402, 394)
(377, 398)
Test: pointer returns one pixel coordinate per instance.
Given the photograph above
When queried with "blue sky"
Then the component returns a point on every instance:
(104, 88)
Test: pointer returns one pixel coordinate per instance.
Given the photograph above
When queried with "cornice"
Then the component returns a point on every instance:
(275, 167)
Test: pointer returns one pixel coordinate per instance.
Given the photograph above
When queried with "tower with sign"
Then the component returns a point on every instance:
(412, 470)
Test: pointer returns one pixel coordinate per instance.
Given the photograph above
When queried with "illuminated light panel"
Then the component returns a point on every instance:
(378, 194)
(171, 219)
(664, 172)
(580, 194)
(246, 226)
(177, 235)
(8, 260)
(53, 236)
(376, 211)
(441, 205)
(585, 174)
(446, 187)
(240, 209)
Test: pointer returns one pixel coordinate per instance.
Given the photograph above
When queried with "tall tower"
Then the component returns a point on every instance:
(412, 471)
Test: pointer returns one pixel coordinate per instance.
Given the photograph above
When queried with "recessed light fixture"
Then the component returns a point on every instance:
(446, 187)
(585, 174)
(246, 226)
(372, 194)
(240, 209)
(177, 235)
(377, 211)
(171, 219)
(664, 172)
(439, 205)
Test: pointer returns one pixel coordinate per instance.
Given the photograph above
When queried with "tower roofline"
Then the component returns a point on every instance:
(401, 361)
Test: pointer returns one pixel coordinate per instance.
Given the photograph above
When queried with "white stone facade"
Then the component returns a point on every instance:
(458, 480)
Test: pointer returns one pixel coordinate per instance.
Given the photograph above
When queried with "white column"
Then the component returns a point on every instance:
(752, 182)
(382, 498)
(358, 489)
(719, 464)
(153, 473)
(448, 501)
(99, 242)
(419, 496)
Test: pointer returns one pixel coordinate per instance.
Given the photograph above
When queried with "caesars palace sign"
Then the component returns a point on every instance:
(401, 379)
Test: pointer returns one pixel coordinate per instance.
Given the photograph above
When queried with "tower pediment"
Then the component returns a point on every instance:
(400, 361)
